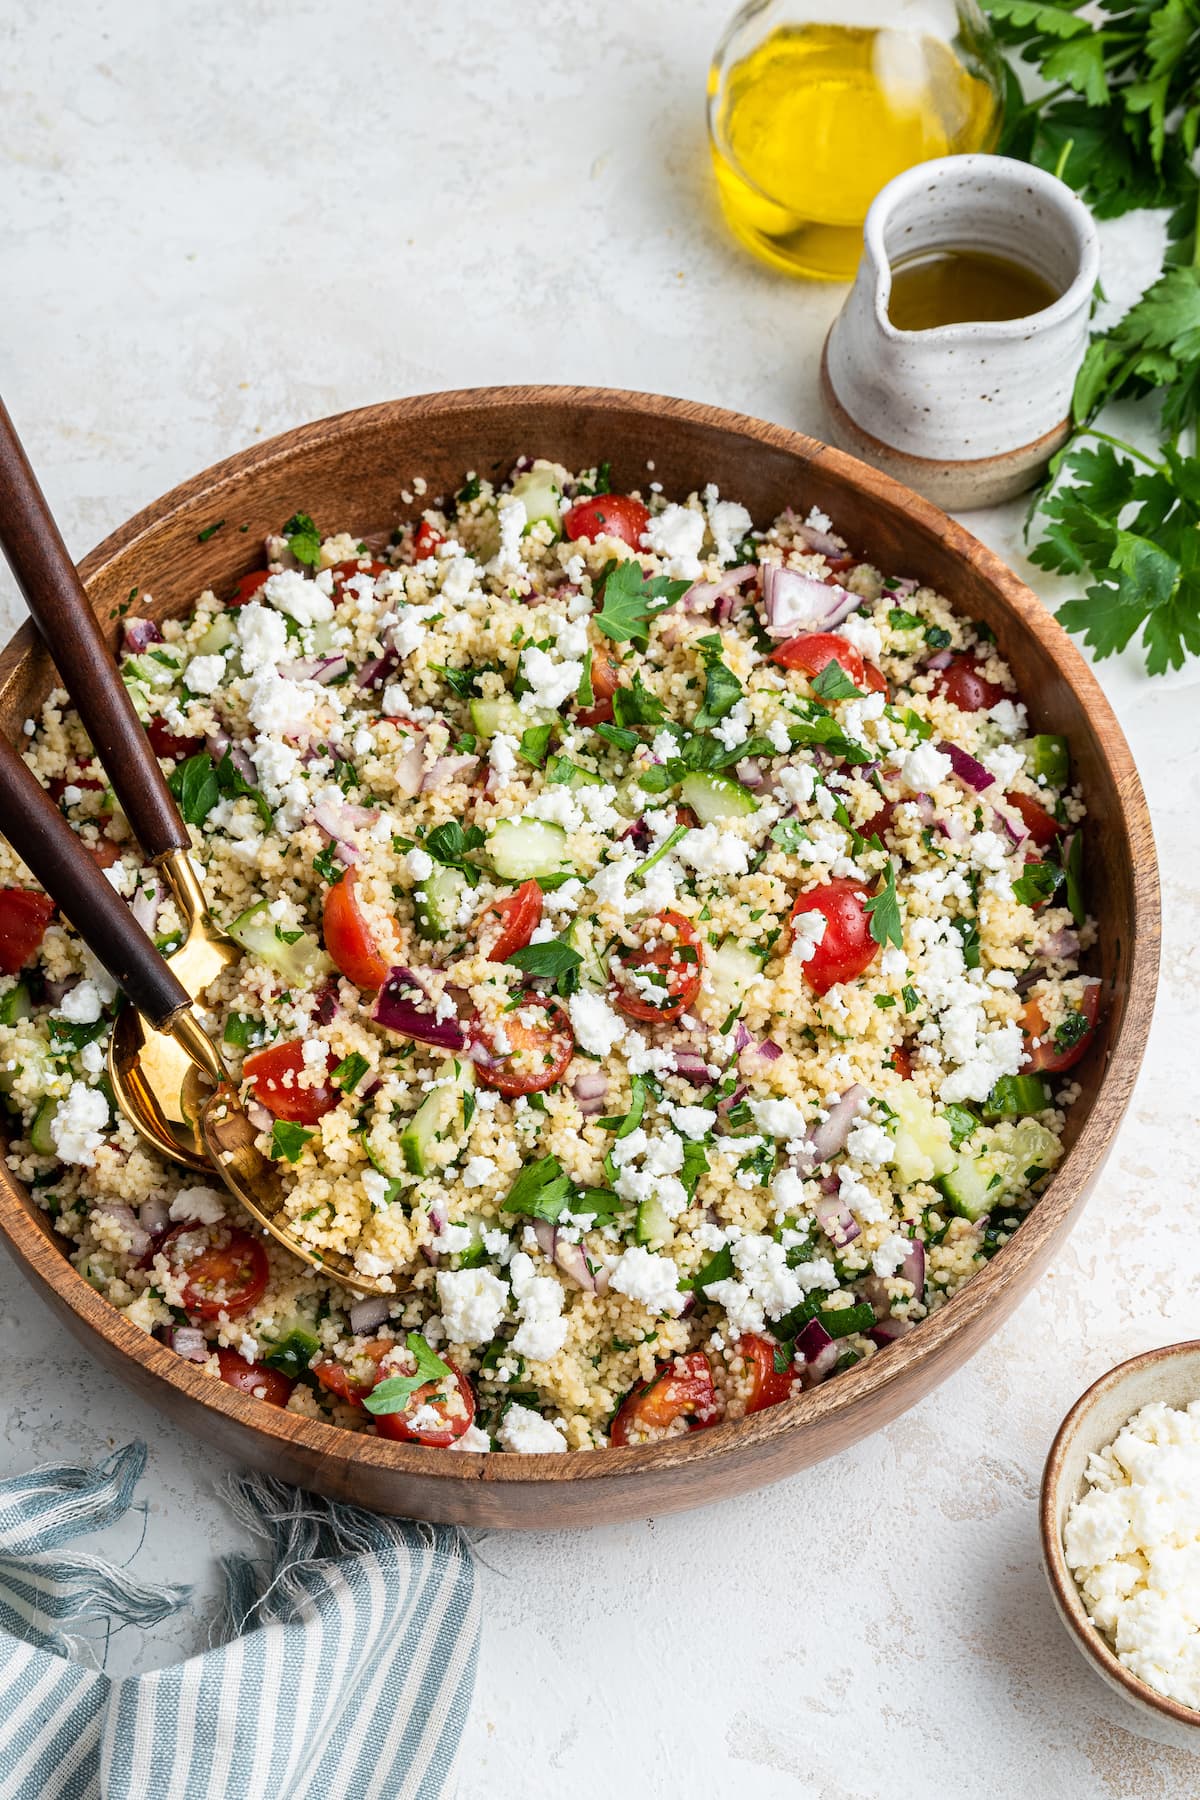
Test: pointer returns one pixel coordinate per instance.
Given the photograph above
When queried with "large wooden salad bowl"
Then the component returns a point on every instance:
(349, 472)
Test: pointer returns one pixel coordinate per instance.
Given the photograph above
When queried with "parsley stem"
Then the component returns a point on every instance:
(1120, 444)
(667, 845)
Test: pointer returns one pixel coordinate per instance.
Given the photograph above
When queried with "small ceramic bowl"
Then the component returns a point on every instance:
(1171, 1375)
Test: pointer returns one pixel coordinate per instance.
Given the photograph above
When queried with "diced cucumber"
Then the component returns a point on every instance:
(439, 1116)
(1031, 1147)
(976, 1184)
(653, 1226)
(729, 971)
(581, 935)
(542, 496)
(523, 849)
(1016, 1095)
(561, 771)
(921, 1147)
(150, 671)
(301, 961)
(714, 797)
(321, 636)
(220, 634)
(293, 1349)
(15, 1005)
(504, 714)
(1049, 756)
(40, 1135)
(437, 901)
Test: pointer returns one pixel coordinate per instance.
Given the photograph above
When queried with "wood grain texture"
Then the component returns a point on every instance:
(349, 472)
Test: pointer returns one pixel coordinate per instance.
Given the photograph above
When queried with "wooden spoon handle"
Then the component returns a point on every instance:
(42, 838)
(54, 595)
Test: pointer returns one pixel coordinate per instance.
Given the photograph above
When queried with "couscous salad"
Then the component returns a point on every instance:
(662, 943)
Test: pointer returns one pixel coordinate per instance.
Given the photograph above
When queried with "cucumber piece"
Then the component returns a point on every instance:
(150, 672)
(581, 935)
(1031, 1147)
(39, 1132)
(1016, 1095)
(437, 901)
(523, 849)
(490, 716)
(962, 1122)
(300, 962)
(729, 971)
(562, 772)
(439, 1115)
(976, 1184)
(715, 797)
(542, 497)
(15, 1005)
(220, 634)
(921, 1148)
(293, 1349)
(653, 1226)
(1049, 756)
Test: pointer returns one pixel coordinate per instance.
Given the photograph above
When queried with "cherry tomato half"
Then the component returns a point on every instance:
(165, 742)
(507, 925)
(1044, 1057)
(1042, 826)
(222, 1269)
(605, 682)
(426, 539)
(274, 1074)
(349, 938)
(847, 947)
(965, 687)
(24, 917)
(608, 515)
(674, 966)
(538, 1052)
(337, 1378)
(346, 571)
(254, 1378)
(681, 1388)
(453, 1400)
(902, 1062)
(874, 680)
(104, 853)
(768, 1385)
(814, 649)
(248, 586)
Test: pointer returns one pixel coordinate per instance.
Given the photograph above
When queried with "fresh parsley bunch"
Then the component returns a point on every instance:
(1119, 119)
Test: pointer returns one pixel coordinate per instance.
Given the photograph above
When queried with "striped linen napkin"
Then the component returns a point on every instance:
(344, 1672)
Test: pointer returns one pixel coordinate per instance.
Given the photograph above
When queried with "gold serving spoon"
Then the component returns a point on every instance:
(168, 1076)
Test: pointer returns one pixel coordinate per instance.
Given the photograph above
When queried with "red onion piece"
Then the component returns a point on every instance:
(1015, 832)
(691, 1066)
(750, 773)
(1060, 946)
(591, 1092)
(189, 1343)
(970, 772)
(404, 1005)
(375, 672)
(913, 1268)
(819, 1350)
(795, 603)
(369, 1314)
(342, 822)
(770, 1050)
(410, 770)
(138, 635)
(888, 1330)
(727, 592)
(942, 660)
(821, 543)
(448, 769)
(572, 1260)
(154, 1216)
(321, 669)
(218, 742)
(546, 1235)
(741, 1037)
(126, 1220)
(836, 1220)
(830, 1136)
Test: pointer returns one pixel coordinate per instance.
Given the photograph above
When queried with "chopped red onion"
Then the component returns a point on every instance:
(726, 591)
(691, 1066)
(367, 1315)
(54, 992)
(259, 1117)
(830, 1136)
(448, 769)
(138, 635)
(941, 660)
(888, 1330)
(127, 1220)
(546, 1234)
(1015, 832)
(572, 1260)
(1060, 945)
(769, 1049)
(970, 772)
(404, 1005)
(749, 772)
(321, 669)
(375, 672)
(793, 603)
(341, 822)
(410, 770)
(836, 1220)
(913, 1268)
(154, 1216)
(821, 543)
(591, 1092)
(189, 1343)
(218, 742)
(741, 1037)
(819, 1350)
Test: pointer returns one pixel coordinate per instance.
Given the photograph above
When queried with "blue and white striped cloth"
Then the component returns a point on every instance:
(345, 1670)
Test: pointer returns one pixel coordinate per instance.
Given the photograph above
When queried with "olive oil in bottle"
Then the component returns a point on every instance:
(808, 122)
(955, 284)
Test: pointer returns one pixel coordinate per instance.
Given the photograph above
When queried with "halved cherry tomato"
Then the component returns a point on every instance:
(902, 1062)
(676, 965)
(426, 539)
(768, 1385)
(350, 940)
(346, 571)
(814, 649)
(57, 786)
(965, 687)
(248, 586)
(339, 1380)
(274, 1074)
(881, 821)
(1042, 826)
(104, 853)
(538, 1050)
(24, 917)
(847, 947)
(223, 1269)
(681, 1388)
(1044, 1058)
(455, 1410)
(164, 742)
(513, 921)
(608, 515)
(605, 682)
(254, 1378)
(874, 680)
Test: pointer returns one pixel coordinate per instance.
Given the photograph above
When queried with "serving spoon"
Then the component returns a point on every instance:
(168, 1076)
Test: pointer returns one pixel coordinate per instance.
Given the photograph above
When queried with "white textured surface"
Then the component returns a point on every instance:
(221, 220)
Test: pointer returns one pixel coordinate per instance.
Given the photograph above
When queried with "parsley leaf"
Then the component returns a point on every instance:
(722, 689)
(194, 785)
(541, 1191)
(450, 843)
(1036, 883)
(534, 744)
(394, 1393)
(304, 540)
(288, 1140)
(885, 911)
(548, 962)
(833, 683)
(349, 1072)
(636, 705)
(630, 601)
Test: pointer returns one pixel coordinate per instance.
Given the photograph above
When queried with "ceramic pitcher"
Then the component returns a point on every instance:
(967, 414)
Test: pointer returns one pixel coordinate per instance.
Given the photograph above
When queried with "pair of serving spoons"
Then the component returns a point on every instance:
(168, 1076)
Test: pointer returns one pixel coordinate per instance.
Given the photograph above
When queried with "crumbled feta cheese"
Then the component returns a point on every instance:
(649, 1278)
(539, 1299)
(477, 1171)
(596, 1026)
(204, 674)
(80, 1004)
(924, 768)
(198, 1206)
(728, 523)
(1005, 762)
(262, 637)
(797, 782)
(473, 1302)
(779, 1118)
(715, 850)
(868, 1143)
(808, 929)
(527, 1433)
(512, 518)
(78, 1125)
(301, 600)
(419, 863)
(502, 756)
(550, 682)
(890, 1254)
(459, 575)
(863, 635)
(1010, 717)
(676, 534)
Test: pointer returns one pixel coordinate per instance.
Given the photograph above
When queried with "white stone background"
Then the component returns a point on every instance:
(220, 220)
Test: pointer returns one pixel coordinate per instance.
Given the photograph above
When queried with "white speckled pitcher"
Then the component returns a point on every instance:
(967, 414)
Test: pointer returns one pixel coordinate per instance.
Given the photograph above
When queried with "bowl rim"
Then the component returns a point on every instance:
(1070, 1607)
(928, 1342)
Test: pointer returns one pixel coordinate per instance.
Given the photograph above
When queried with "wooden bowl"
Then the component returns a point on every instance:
(1171, 1375)
(349, 472)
